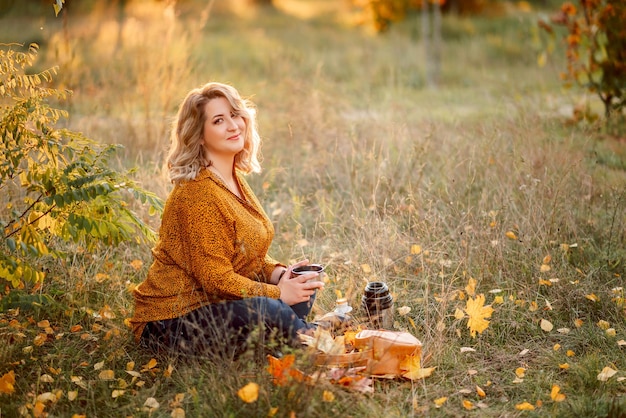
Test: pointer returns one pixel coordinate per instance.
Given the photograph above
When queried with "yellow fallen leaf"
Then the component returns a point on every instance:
(606, 374)
(610, 332)
(524, 406)
(168, 372)
(578, 323)
(72, 395)
(480, 392)
(178, 413)
(592, 297)
(7, 383)
(564, 366)
(477, 314)
(547, 259)
(544, 268)
(413, 370)
(459, 314)
(520, 372)
(40, 339)
(106, 375)
(556, 347)
(467, 404)
(98, 366)
(416, 249)
(149, 365)
(366, 268)
(603, 324)
(498, 300)
(136, 264)
(546, 325)
(440, 401)
(556, 394)
(511, 235)
(328, 396)
(117, 393)
(249, 393)
(570, 353)
(471, 286)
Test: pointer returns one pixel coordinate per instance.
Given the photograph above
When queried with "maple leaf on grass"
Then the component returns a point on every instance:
(283, 370)
(413, 370)
(477, 313)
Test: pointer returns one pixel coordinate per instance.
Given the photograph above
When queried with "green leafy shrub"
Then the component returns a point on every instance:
(55, 185)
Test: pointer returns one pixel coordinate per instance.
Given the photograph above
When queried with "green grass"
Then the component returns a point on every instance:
(362, 161)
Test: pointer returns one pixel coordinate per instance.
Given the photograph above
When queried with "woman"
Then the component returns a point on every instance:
(212, 282)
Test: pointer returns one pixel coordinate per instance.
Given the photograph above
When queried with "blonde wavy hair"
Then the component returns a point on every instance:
(187, 155)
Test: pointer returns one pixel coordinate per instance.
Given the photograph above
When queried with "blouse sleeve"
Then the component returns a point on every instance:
(211, 235)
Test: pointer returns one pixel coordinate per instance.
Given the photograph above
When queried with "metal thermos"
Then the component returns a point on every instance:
(377, 303)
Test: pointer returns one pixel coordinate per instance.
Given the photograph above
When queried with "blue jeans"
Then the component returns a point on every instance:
(225, 328)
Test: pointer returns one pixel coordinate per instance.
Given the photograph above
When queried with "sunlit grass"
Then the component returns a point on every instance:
(361, 162)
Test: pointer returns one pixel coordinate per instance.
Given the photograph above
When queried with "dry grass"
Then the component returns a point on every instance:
(361, 162)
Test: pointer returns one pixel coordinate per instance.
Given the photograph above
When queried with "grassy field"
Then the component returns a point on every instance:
(482, 180)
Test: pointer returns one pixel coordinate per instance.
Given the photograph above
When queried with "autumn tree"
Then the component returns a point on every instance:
(595, 48)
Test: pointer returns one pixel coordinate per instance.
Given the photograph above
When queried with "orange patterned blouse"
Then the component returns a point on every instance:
(212, 247)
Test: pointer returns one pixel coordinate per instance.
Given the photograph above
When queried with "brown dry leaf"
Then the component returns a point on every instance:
(546, 325)
(178, 413)
(106, 312)
(606, 374)
(366, 268)
(151, 403)
(136, 264)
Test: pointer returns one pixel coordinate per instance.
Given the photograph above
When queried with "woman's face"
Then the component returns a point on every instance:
(223, 129)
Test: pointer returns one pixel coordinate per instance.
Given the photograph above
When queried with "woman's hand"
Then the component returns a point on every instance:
(298, 288)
